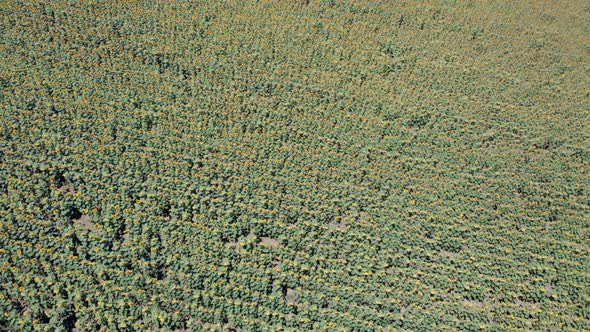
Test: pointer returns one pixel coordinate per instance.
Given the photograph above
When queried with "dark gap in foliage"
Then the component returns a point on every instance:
(418, 121)
(70, 320)
(43, 317)
(120, 231)
(59, 178)
(75, 242)
(73, 213)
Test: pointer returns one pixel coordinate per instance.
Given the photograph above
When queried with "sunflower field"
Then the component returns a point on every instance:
(295, 165)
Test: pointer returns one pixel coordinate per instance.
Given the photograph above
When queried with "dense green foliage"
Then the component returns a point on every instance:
(294, 165)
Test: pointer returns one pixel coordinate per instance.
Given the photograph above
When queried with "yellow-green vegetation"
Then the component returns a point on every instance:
(294, 165)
